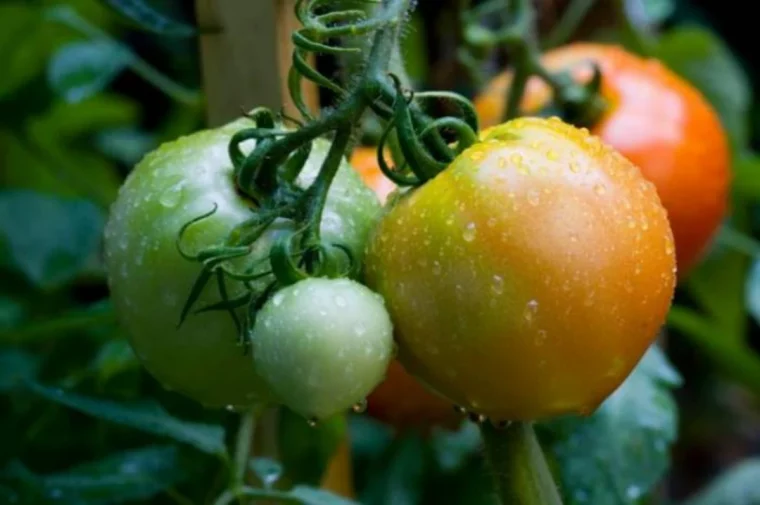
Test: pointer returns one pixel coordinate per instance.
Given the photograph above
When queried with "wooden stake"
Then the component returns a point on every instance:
(246, 52)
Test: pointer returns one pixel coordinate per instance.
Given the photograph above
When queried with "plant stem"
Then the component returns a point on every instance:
(521, 473)
(243, 443)
(568, 23)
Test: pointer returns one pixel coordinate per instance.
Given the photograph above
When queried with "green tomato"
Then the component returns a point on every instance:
(150, 281)
(323, 345)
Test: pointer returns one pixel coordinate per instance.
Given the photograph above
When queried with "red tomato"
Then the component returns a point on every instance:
(658, 121)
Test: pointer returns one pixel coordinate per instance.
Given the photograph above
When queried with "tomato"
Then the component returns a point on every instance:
(403, 402)
(528, 278)
(657, 120)
(150, 281)
(323, 345)
(364, 160)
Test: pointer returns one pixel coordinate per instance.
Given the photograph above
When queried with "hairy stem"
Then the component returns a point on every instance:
(521, 473)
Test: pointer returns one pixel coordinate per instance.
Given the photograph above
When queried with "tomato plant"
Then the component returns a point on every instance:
(235, 272)
(535, 245)
(150, 280)
(656, 119)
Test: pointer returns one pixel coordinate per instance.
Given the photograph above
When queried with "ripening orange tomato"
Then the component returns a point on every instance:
(529, 277)
(657, 120)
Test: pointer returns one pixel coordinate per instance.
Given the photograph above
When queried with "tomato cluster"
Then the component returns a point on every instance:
(524, 281)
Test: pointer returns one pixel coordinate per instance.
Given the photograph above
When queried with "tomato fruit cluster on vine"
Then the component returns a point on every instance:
(523, 281)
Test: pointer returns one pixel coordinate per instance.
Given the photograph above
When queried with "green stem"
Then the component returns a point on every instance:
(257, 494)
(640, 41)
(574, 15)
(734, 358)
(521, 473)
(243, 443)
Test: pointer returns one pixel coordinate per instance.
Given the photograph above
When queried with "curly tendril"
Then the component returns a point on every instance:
(268, 158)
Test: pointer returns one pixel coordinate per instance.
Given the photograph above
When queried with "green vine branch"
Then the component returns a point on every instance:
(580, 104)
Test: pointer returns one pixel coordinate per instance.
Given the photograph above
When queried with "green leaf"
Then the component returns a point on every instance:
(701, 57)
(619, 453)
(306, 451)
(737, 486)
(81, 69)
(114, 357)
(48, 239)
(311, 496)
(16, 368)
(126, 144)
(123, 477)
(453, 449)
(648, 13)
(746, 175)
(142, 14)
(399, 478)
(145, 416)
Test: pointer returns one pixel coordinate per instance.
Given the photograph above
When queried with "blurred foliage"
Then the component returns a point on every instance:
(89, 87)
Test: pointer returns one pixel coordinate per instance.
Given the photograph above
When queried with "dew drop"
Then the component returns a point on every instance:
(340, 301)
(599, 189)
(277, 299)
(552, 155)
(469, 233)
(312, 422)
(460, 410)
(436, 268)
(497, 284)
(531, 308)
(541, 337)
(360, 407)
(172, 196)
(360, 330)
(491, 222)
(575, 167)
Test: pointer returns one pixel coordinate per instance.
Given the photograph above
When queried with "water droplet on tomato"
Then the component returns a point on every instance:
(599, 189)
(436, 268)
(469, 233)
(531, 308)
(497, 284)
(171, 197)
(277, 299)
(340, 301)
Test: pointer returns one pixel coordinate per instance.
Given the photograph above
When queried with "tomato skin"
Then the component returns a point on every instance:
(528, 278)
(657, 120)
(400, 400)
(150, 282)
(403, 402)
(364, 160)
(323, 345)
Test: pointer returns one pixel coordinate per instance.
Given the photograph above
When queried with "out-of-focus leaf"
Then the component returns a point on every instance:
(53, 152)
(306, 451)
(737, 486)
(311, 496)
(97, 316)
(113, 358)
(80, 69)
(400, 478)
(126, 145)
(453, 449)
(16, 368)
(145, 416)
(701, 57)
(746, 176)
(48, 239)
(648, 13)
(122, 477)
(23, 45)
(12, 312)
(144, 15)
(619, 453)
(753, 291)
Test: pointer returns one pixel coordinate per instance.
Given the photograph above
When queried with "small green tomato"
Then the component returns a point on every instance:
(323, 345)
